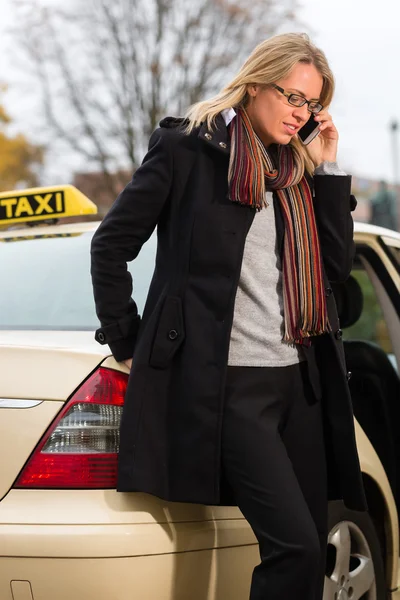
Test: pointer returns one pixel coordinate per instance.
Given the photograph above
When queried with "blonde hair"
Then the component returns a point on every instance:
(269, 62)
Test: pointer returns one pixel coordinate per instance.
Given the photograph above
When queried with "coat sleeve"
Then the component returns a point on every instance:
(118, 240)
(333, 204)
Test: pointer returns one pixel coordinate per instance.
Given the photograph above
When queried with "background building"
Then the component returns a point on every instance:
(96, 188)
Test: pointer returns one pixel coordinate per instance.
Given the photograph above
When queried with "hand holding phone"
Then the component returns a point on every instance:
(324, 147)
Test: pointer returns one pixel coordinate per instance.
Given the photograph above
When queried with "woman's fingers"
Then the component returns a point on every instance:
(326, 123)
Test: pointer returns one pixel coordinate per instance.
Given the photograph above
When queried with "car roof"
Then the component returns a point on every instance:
(85, 226)
(360, 227)
(43, 229)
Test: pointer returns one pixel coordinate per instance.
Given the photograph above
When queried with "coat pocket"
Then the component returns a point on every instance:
(170, 333)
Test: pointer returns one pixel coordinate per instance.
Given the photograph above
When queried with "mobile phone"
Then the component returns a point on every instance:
(309, 131)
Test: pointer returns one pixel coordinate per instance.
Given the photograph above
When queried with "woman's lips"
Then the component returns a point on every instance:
(291, 129)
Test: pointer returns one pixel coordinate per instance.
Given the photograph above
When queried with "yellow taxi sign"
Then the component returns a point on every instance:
(43, 203)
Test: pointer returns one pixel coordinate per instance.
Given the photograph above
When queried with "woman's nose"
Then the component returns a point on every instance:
(302, 113)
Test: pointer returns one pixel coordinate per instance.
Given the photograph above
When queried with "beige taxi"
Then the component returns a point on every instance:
(65, 533)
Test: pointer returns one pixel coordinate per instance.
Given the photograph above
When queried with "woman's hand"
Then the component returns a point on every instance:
(324, 146)
(128, 363)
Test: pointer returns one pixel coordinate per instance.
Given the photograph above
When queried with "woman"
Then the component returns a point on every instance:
(238, 390)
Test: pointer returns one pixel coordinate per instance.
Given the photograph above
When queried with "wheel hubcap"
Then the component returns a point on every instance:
(351, 575)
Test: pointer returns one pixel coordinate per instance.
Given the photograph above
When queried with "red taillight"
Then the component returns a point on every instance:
(80, 448)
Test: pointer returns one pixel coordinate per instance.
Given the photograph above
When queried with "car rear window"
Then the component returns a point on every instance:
(46, 283)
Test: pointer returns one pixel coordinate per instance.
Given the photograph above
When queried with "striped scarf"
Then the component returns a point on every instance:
(251, 173)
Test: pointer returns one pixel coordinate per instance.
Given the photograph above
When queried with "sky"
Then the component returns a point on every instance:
(362, 43)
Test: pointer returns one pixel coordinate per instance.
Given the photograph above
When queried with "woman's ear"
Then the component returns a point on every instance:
(252, 89)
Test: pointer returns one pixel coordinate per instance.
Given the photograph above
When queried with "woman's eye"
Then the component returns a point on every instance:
(297, 99)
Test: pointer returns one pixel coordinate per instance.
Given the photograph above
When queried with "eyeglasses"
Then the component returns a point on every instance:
(296, 100)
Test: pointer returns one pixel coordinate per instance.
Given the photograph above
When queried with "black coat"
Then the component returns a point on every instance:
(171, 424)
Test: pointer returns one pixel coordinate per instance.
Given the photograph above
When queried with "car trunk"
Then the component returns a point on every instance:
(39, 371)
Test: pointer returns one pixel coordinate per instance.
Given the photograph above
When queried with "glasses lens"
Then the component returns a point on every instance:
(315, 107)
(296, 100)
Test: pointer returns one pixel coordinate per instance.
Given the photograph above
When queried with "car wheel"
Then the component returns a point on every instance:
(354, 565)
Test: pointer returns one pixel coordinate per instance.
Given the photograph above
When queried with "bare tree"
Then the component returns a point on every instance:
(108, 70)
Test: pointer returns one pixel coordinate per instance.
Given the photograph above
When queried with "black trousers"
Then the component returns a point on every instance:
(273, 457)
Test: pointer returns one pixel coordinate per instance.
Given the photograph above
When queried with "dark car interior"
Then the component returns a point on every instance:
(374, 384)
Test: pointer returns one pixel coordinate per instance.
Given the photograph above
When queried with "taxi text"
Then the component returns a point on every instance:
(34, 205)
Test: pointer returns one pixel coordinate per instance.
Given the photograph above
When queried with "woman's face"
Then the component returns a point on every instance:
(275, 120)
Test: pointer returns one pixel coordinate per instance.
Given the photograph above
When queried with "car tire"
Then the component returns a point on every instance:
(354, 564)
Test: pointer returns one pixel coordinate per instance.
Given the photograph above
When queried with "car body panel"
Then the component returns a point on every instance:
(92, 507)
(374, 230)
(369, 235)
(80, 341)
(126, 539)
(203, 575)
(59, 229)
(16, 449)
(372, 242)
(372, 466)
(40, 365)
(43, 373)
(103, 545)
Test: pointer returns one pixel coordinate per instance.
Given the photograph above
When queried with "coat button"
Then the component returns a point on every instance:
(339, 334)
(328, 291)
(208, 136)
(173, 334)
(101, 337)
(222, 144)
(348, 375)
